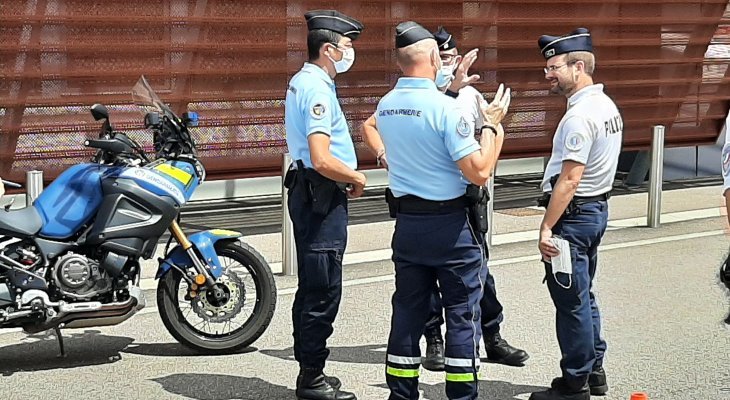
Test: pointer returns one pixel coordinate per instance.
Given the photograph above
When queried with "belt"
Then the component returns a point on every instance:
(415, 205)
(590, 199)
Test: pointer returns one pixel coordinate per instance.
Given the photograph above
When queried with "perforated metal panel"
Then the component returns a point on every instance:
(664, 62)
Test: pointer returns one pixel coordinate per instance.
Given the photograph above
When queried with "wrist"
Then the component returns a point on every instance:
(379, 156)
(490, 127)
(452, 93)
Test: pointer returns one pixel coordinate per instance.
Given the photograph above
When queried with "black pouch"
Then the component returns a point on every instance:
(321, 191)
(392, 203)
(478, 199)
(290, 177)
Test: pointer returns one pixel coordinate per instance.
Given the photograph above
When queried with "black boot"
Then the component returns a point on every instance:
(597, 382)
(313, 384)
(561, 390)
(434, 360)
(499, 351)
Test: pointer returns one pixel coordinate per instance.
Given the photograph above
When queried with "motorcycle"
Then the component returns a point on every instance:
(72, 258)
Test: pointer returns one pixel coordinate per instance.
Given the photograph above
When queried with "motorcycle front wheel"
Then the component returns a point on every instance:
(227, 319)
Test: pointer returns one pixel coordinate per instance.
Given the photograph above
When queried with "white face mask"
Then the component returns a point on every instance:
(444, 76)
(348, 58)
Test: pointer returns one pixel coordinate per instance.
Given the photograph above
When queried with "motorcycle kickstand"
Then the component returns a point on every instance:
(60, 342)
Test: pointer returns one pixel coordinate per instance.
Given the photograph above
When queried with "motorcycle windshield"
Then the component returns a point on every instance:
(147, 99)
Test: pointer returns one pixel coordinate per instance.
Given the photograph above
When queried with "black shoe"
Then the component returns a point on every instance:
(333, 381)
(597, 382)
(313, 384)
(499, 351)
(434, 360)
(560, 390)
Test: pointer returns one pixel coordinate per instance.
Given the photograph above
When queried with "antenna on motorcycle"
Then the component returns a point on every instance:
(99, 112)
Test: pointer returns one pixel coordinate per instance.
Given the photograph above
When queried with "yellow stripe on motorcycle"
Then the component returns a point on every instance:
(224, 233)
(402, 373)
(177, 173)
(467, 377)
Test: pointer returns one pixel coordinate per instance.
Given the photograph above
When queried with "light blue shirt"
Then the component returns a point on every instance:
(425, 132)
(312, 106)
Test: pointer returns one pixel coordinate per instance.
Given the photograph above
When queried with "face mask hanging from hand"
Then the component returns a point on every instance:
(444, 76)
(348, 58)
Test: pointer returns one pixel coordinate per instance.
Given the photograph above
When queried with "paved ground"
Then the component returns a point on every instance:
(658, 289)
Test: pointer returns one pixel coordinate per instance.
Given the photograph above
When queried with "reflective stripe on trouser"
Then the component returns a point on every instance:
(578, 320)
(461, 369)
(320, 242)
(428, 249)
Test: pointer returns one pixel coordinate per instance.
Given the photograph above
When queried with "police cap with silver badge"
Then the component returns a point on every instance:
(335, 21)
(578, 40)
(409, 32)
(444, 39)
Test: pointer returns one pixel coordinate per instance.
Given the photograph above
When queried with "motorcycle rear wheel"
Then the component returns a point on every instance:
(172, 297)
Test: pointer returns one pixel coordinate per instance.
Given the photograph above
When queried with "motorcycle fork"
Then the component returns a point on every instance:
(203, 277)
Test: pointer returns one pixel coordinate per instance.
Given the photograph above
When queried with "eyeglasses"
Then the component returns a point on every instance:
(553, 68)
(448, 57)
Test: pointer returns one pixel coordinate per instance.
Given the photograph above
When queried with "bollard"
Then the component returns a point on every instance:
(490, 210)
(655, 177)
(288, 245)
(33, 186)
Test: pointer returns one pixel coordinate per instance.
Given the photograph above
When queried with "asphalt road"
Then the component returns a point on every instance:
(662, 308)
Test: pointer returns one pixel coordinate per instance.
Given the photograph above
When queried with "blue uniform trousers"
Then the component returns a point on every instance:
(320, 242)
(430, 249)
(578, 320)
(491, 308)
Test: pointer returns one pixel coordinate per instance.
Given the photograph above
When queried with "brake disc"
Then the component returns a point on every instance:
(214, 310)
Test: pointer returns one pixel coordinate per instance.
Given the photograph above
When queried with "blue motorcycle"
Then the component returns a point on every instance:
(72, 258)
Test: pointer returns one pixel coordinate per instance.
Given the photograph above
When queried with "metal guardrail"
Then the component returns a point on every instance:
(33, 186)
(288, 244)
(655, 178)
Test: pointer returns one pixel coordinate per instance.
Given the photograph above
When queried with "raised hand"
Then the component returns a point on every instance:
(495, 111)
(461, 76)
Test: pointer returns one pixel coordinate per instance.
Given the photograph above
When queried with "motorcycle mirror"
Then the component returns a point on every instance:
(99, 112)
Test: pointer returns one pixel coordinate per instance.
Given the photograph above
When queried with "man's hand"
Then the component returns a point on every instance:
(545, 246)
(356, 190)
(461, 76)
(495, 111)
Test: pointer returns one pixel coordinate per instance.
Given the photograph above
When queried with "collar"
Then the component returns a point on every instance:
(319, 72)
(591, 90)
(415, 83)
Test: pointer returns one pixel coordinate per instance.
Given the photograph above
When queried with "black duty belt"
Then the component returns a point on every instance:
(415, 205)
(591, 199)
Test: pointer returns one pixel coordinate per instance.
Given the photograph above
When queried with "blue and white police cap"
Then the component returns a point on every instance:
(578, 40)
(444, 39)
(409, 32)
(335, 21)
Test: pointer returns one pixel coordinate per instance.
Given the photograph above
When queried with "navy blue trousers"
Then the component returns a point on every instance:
(320, 242)
(491, 308)
(577, 318)
(430, 249)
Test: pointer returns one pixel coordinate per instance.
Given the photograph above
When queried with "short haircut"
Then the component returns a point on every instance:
(589, 60)
(318, 37)
(417, 52)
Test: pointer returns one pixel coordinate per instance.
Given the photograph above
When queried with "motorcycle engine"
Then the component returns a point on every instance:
(79, 277)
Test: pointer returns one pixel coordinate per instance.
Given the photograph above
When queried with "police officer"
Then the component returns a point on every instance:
(320, 181)
(577, 182)
(431, 145)
(497, 348)
(455, 81)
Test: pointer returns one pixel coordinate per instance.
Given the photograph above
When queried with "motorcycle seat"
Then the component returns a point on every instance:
(24, 222)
